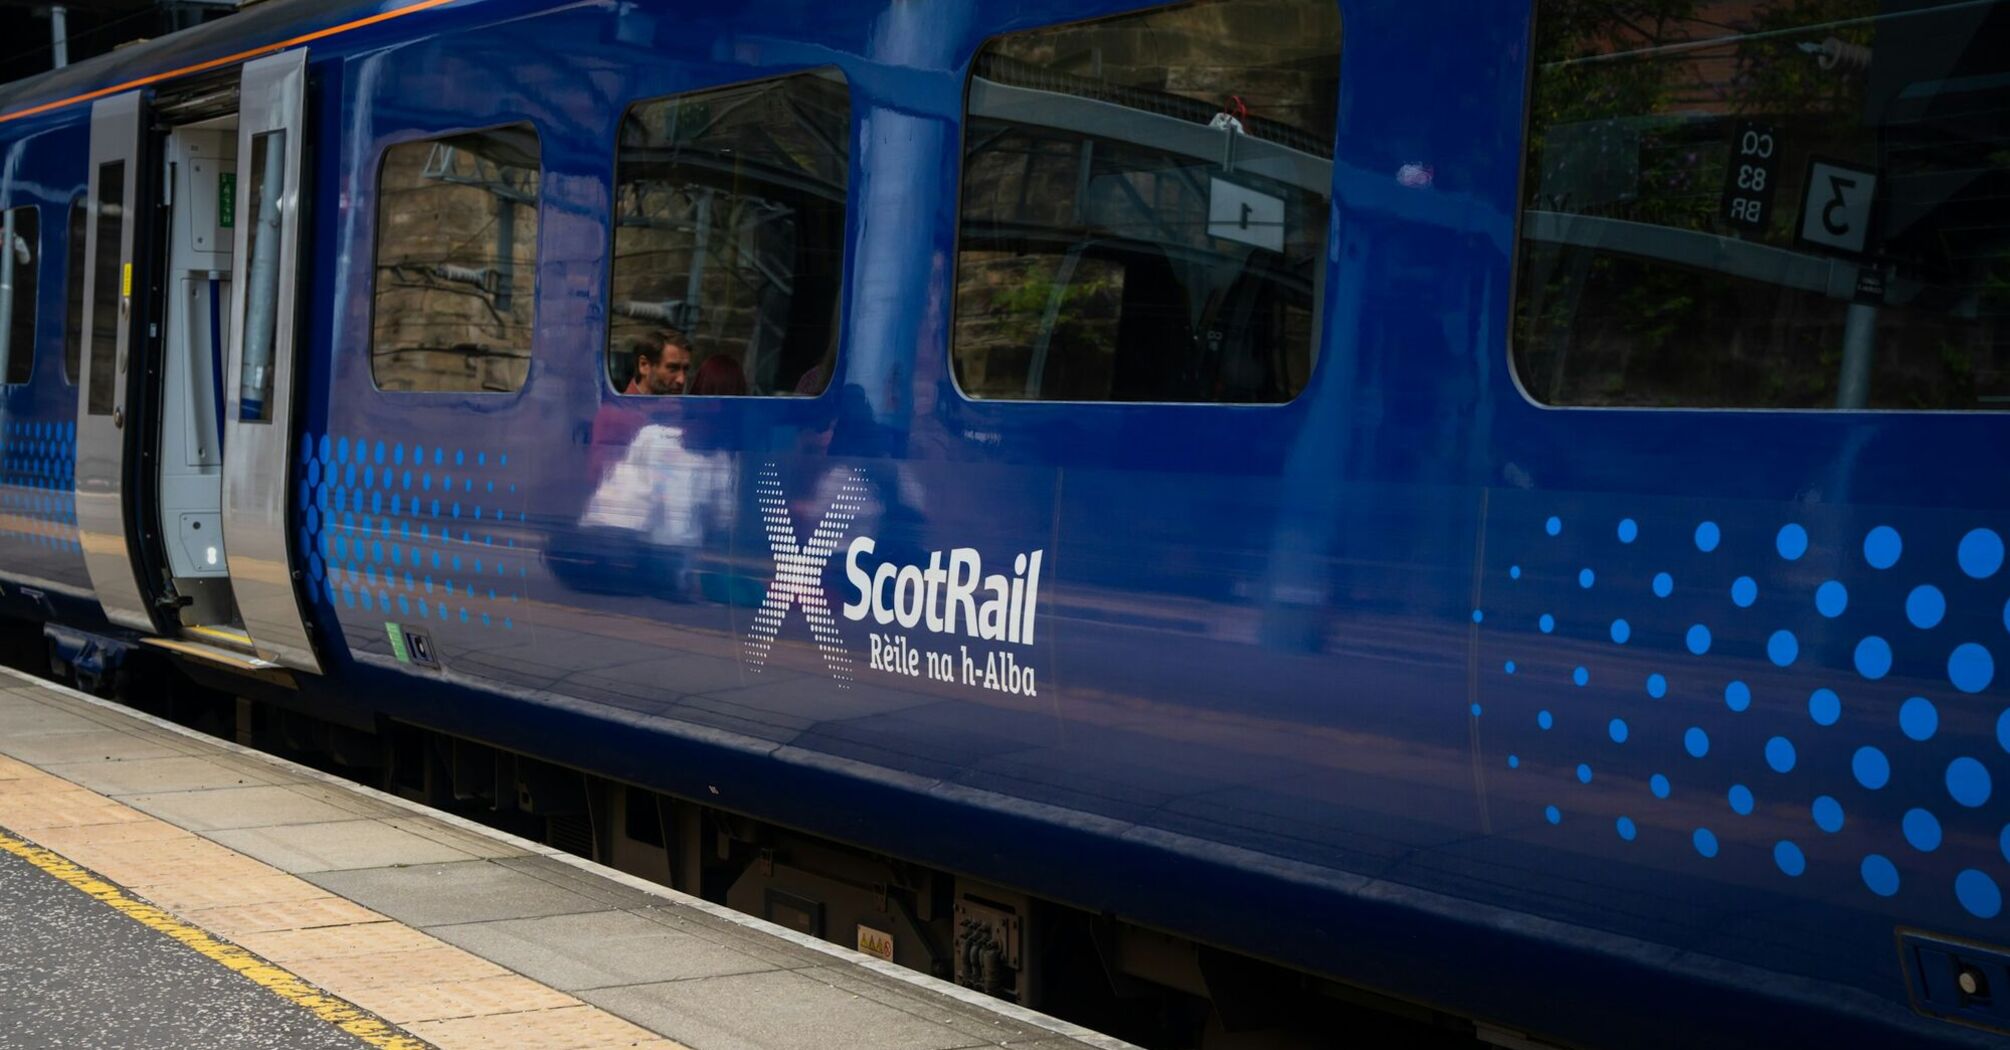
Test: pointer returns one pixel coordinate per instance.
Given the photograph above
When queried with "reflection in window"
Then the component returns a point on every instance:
(20, 261)
(109, 241)
(73, 288)
(456, 262)
(1768, 203)
(729, 239)
(1145, 204)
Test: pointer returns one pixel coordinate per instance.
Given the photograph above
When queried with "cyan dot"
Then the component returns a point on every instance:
(1872, 769)
(1514, 761)
(1543, 719)
(1880, 875)
(1828, 814)
(1922, 830)
(1918, 718)
(2006, 615)
(1882, 547)
(1978, 893)
(1792, 542)
(1628, 531)
(1508, 667)
(1553, 526)
(1478, 616)
(1657, 686)
(1696, 742)
(1514, 572)
(1581, 676)
(1545, 623)
(1970, 667)
(1925, 606)
(1741, 800)
(1475, 708)
(1706, 843)
(1659, 785)
(2003, 730)
(1831, 599)
(1744, 591)
(1783, 648)
(1621, 631)
(1585, 578)
(1583, 773)
(1790, 858)
(1664, 585)
(1824, 706)
(1873, 658)
(1626, 828)
(1551, 813)
(1968, 781)
(1980, 553)
(1617, 728)
(1780, 754)
(1707, 536)
(1737, 696)
(1699, 639)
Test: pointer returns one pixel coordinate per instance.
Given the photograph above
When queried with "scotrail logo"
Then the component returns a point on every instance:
(799, 571)
(950, 595)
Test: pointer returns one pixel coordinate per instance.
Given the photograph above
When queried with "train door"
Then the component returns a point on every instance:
(101, 388)
(186, 431)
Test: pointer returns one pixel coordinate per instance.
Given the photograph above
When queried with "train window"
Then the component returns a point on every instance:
(111, 238)
(729, 216)
(1145, 205)
(20, 261)
(456, 262)
(1767, 204)
(73, 289)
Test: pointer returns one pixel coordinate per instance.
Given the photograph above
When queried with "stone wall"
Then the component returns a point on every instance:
(430, 332)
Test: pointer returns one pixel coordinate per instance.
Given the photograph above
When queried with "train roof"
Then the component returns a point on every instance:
(242, 36)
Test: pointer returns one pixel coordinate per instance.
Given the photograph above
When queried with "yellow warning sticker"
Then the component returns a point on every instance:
(876, 943)
(126, 281)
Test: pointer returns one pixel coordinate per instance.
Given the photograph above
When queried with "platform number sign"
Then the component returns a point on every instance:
(1836, 212)
(1751, 175)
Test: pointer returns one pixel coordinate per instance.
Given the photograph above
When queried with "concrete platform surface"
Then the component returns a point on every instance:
(164, 888)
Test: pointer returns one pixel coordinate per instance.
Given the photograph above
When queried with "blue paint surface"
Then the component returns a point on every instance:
(1257, 622)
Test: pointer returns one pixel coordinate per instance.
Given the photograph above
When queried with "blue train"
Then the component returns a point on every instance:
(1358, 523)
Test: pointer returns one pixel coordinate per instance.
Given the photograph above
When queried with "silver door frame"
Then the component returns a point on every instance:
(101, 438)
(257, 452)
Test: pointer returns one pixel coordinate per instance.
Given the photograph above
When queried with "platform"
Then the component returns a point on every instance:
(165, 888)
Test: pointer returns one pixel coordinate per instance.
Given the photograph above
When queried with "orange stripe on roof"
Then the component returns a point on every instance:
(214, 63)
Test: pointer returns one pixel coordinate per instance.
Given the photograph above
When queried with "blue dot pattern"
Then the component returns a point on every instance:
(411, 533)
(1836, 648)
(38, 502)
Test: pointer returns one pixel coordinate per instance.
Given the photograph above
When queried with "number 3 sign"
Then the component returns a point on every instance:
(1836, 210)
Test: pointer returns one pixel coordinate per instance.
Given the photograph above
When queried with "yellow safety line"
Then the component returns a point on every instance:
(342, 1014)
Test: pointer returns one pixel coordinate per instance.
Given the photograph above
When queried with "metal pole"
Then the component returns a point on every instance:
(1859, 343)
(694, 281)
(59, 34)
(261, 322)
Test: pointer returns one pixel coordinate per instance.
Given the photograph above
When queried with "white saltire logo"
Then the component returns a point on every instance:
(799, 570)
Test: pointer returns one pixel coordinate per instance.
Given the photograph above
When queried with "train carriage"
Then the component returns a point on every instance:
(1246, 522)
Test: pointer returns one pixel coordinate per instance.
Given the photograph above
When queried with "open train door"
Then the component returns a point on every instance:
(260, 362)
(108, 327)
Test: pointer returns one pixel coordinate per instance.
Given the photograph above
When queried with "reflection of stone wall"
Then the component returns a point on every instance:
(430, 333)
(1276, 55)
(1003, 301)
(1026, 191)
(653, 263)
